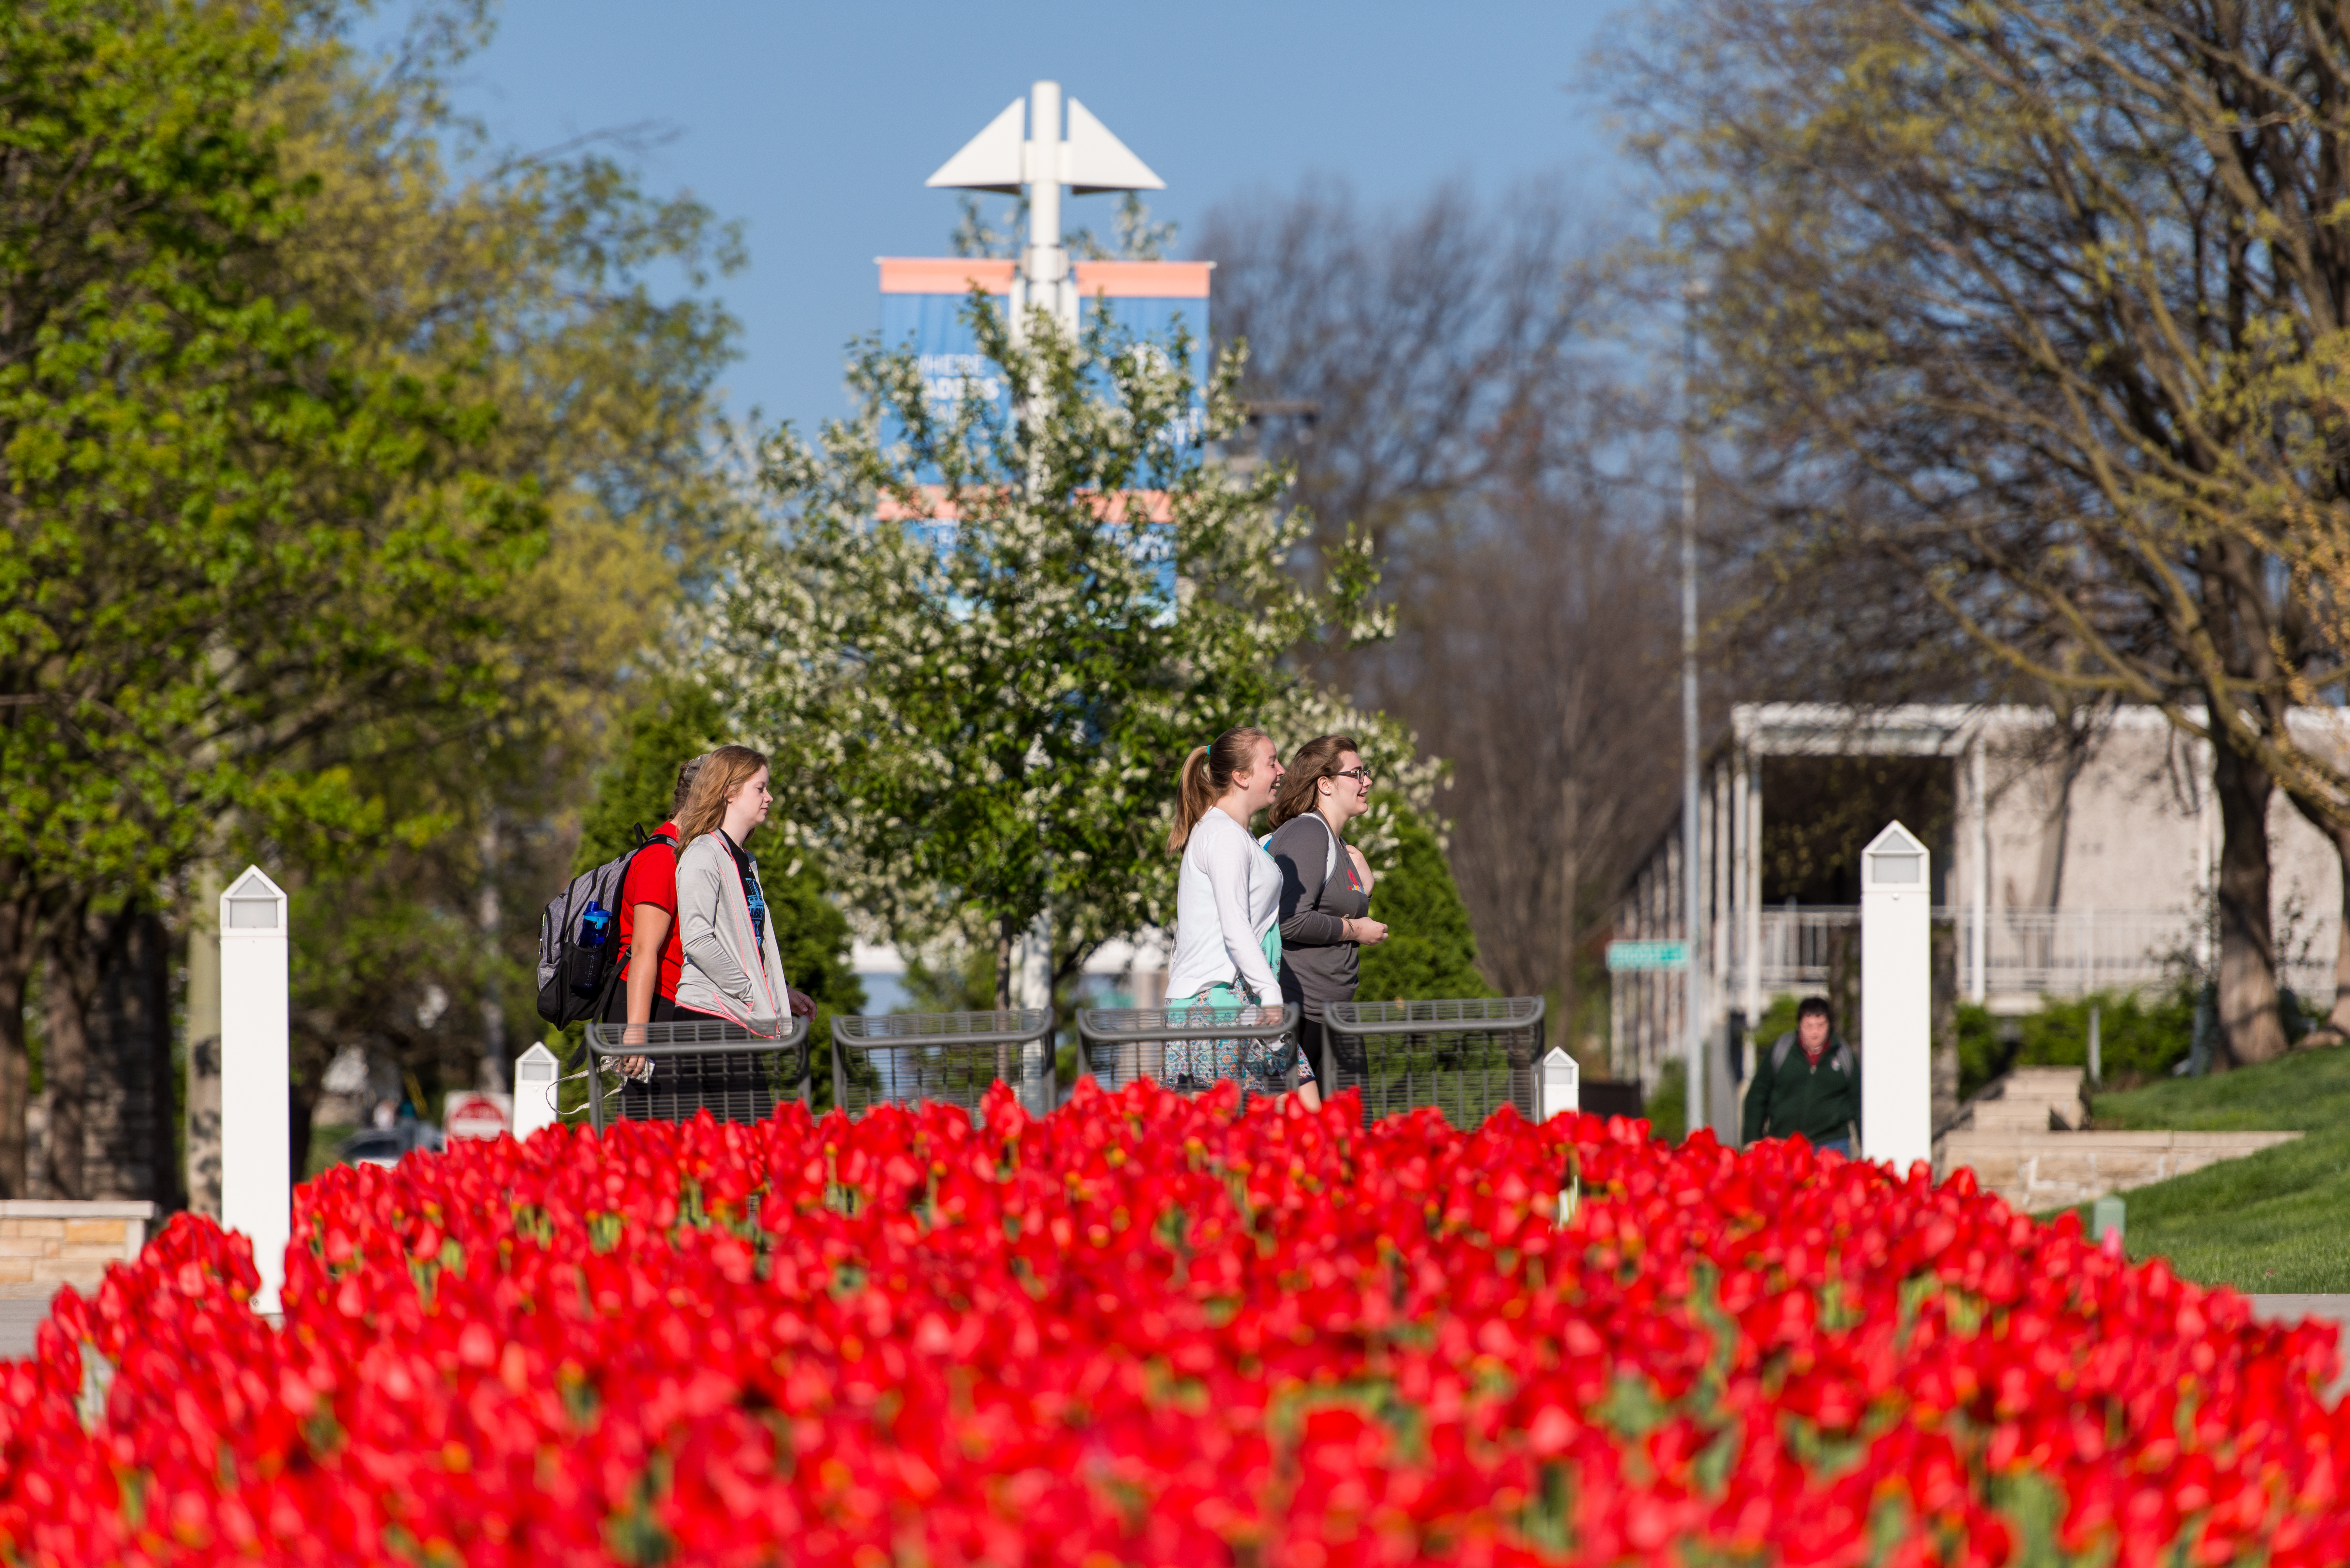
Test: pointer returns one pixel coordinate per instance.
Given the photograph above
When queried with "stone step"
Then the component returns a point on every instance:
(2025, 1115)
(2037, 1171)
(2024, 1099)
(2064, 1083)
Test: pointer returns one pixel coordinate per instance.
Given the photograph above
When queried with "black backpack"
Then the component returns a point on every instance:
(580, 959)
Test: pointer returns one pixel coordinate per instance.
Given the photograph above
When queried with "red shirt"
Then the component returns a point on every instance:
(652, 879)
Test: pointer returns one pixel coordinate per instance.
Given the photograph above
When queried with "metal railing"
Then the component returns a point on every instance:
(2030, 952)
(954, 1057)
(2072, 952)
(1190, 1049)
(737, 1074)
(1800, 946)
(1468, 1058)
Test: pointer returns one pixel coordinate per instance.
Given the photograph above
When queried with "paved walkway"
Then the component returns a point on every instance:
(2334, 1308)
(17, 1320)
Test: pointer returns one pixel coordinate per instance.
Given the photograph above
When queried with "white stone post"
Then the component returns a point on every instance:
(533, 1092)
(1896, 1014)
(257, 1182)
(1558, 1086)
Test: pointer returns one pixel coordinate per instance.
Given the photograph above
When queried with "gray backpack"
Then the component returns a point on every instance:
(1841, 1058)
(579, 954)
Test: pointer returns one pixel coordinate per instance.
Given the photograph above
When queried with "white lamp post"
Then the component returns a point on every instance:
(1694, 1023)
(256, 1183)
(1088, 159)
(1897, 1014)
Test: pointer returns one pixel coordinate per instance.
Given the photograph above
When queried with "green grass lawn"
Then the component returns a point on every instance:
(2274, 1221)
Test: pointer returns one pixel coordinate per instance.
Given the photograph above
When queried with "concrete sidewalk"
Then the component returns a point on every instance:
(18, 1317)
(2335, 1309)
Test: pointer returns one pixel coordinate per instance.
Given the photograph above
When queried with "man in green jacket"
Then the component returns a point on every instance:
(1808, 1082)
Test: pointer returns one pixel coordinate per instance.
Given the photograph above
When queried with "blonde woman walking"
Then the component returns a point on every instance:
(733, 970)
(1227, 930)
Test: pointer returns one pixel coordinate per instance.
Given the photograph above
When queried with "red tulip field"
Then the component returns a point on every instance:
(1149, 1329)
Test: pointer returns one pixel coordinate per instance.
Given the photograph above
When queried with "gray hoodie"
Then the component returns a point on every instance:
(1320, 893)
(727, 971)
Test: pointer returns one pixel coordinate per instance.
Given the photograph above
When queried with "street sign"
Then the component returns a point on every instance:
(1646, 955)
(474, 1115)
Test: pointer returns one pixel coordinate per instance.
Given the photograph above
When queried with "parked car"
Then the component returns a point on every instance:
(388, 1145)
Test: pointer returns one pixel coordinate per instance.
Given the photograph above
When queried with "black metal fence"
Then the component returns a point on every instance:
(1468, 1057)
(948, 1056)
(1189, 1049)
(672, 1070)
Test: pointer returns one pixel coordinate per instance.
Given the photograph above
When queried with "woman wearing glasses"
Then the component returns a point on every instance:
(1325, 887)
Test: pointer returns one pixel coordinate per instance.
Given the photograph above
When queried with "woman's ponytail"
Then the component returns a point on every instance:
(1207, 775)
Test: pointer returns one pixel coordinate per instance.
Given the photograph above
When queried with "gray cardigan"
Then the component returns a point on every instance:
(722, 974)
(1318, 964)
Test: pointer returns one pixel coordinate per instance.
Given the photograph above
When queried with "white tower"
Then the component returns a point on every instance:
(256, 1185)
(1087, 159)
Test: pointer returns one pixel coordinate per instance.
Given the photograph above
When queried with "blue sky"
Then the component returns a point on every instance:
(816, 124)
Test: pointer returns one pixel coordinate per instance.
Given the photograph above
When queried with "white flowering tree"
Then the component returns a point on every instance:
(986, 634)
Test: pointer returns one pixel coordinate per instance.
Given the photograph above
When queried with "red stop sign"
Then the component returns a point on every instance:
(474, 1115)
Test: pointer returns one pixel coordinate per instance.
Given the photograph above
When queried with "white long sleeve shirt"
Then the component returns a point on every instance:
(1227, 896)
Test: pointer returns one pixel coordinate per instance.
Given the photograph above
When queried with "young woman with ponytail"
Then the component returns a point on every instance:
(1227, 907)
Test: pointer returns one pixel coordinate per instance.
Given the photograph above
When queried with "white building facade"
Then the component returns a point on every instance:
(2073, 859)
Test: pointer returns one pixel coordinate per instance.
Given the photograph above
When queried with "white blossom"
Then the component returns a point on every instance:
(980, 723)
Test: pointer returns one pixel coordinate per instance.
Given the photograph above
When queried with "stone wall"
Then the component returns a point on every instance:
(45, 1245)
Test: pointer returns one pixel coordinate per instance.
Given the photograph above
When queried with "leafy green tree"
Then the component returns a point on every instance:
(681, 720)
(528, 282)
(396, 612)
(985, 640)
(1430, 951)
(2034, 310)
(675, 723)
(230, 534)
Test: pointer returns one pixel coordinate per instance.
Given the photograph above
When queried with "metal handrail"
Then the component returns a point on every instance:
(1420, 1017)
(1142, 1027)
(1003, 1032)
(1113, 1026)
(857, 1028)
(694, 1038)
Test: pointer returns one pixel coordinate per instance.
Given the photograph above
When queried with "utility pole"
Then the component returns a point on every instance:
(1002, 159)
(1692, 874)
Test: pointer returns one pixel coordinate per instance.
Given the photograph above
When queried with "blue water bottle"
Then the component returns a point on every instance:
(587, 959)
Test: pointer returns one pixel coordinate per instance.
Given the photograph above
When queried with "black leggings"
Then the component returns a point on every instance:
(1337, 1066)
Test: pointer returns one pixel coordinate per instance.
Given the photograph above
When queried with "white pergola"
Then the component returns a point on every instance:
(2010, 951)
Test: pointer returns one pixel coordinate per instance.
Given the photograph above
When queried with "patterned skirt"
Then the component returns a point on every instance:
(1259, 1066)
